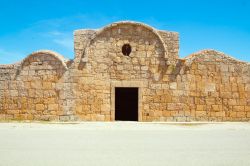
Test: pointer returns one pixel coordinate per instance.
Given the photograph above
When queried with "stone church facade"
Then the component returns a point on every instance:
(126, 71)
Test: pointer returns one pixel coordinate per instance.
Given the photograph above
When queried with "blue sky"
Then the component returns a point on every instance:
(31, 25)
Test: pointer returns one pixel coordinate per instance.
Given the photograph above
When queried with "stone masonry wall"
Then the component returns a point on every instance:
(205, 86)
(107, 67)
(29, 92)
(219, 87)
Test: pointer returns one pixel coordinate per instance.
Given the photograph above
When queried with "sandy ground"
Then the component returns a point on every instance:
(124, 143)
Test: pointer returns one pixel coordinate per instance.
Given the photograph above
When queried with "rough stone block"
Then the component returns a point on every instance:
(241, 114)
(200, 107)
(173, 85)
(201, 113)
(53, 107)
(238, 108)
(40, 107)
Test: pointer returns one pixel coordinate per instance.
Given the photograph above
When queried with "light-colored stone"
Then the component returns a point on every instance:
(39, 107)
(207, 85)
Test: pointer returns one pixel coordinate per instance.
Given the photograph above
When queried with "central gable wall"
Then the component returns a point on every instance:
(146, 61)
(102, 66)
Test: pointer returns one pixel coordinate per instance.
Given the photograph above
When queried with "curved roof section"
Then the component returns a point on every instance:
(153, 30)
(58, 56)
(210, 55)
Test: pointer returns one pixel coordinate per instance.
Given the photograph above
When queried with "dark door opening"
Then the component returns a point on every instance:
(126, 104)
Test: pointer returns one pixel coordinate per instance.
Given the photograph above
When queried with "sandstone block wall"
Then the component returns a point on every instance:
(205, 86)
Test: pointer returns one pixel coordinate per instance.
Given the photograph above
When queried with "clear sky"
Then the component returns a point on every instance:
(30, 25)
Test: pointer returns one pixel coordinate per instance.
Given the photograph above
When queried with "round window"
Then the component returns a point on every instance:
(126, 49)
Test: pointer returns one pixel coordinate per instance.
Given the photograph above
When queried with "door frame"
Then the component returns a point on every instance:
(124, 91)
(126, 84)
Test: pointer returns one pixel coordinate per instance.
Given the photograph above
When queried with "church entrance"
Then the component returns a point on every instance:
(126, 104)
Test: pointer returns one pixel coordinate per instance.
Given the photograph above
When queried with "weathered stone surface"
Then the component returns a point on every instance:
(205, 86)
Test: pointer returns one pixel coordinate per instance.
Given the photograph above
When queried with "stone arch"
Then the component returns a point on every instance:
(222, 61)
(210, 55)
(147, 59)
(104, 29)
(37, 80)
(57, 56)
